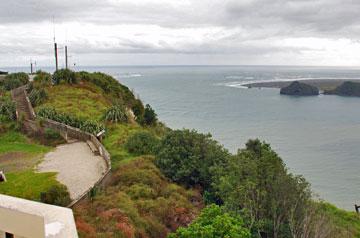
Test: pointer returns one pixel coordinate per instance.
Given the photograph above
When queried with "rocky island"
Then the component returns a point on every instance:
(350, 89)
(299, 89)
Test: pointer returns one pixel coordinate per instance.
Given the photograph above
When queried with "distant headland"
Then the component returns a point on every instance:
(297, 88)
(340, 87)
(321, 84)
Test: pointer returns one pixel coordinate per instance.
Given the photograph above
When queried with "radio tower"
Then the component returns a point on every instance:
(55, 49)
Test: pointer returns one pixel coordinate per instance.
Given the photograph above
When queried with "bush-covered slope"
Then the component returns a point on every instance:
(140, 202)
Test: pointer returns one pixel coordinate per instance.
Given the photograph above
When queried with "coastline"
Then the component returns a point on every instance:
(322, 84)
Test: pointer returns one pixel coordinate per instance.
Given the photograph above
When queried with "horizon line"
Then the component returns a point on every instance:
(192, 65)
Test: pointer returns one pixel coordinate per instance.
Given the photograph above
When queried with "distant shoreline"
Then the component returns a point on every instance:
(322, 84)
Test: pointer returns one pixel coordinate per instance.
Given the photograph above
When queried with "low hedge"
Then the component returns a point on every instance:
(70, 120)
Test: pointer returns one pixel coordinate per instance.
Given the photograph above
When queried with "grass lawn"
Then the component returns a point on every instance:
(18, 158)
(16, 142)
(27, 184)
(82, 100)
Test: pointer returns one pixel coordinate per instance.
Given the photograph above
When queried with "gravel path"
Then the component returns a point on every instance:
(77, 167)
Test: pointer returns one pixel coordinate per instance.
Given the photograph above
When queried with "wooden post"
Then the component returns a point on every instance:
(66, 57)
(56, 57)
(357, 208)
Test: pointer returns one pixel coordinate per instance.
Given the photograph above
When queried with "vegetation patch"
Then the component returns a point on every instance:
(56, 195)
(27, 184)
(14, 80)
(83, 124)
(12, 141)
(116, 114)
(82, 100)
(214, 222)
(140, 202)
(142, 143)
(18, 157)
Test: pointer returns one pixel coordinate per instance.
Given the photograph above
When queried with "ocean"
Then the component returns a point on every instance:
(318, 137)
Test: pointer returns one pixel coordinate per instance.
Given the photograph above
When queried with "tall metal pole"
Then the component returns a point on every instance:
(56, 56)
(31, 67)
(66, 57)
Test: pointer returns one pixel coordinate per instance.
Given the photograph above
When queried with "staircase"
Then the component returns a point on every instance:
(23, 106)
(24, 110)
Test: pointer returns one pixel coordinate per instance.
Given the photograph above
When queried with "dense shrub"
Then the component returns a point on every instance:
(23, 77)
(37, 96)
(119, 93)
(188, 157)
(7, 109)
(82, 124)
(138, 109)
(213, 222)
(142, 143)
(14, 80)
(116, 114)
(10, 84)
(150, 117)
(56, 195)
(48, 136)
(42, 78)
(64, 75)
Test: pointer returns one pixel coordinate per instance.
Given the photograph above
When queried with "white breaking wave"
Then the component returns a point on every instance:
(239, 77)
(129, 75)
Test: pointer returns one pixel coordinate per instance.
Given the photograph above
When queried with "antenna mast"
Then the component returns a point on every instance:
(55, 48)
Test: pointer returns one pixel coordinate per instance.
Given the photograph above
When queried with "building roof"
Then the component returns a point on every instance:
(57, 221)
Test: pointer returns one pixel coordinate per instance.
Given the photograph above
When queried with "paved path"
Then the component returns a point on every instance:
(77, 167)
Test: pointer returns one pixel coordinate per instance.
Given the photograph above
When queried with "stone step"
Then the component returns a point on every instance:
(92, 147)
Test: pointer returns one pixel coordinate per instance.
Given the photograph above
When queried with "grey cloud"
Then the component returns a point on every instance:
(282, 16)
(254, 24)
(20, 11)
(297, 17)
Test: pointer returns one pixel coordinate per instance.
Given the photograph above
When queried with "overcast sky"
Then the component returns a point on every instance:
(134, 32)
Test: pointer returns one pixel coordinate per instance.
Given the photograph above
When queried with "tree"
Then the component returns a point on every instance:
(257, 185)
(150, 117)
(213, 222)
(189, 157)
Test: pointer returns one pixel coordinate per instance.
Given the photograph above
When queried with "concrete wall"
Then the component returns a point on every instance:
(21, 224)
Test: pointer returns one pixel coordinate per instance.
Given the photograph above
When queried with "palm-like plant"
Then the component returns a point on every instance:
(116, 114)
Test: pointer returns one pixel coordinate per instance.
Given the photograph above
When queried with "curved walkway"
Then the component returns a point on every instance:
(77, 167)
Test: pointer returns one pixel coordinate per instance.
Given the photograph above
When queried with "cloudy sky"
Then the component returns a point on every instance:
(148, 32)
